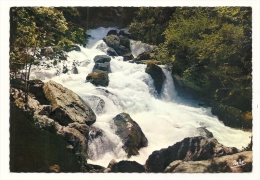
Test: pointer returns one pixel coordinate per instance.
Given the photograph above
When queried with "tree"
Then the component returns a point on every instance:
(149, 24)
(32, 29)
(211, 48)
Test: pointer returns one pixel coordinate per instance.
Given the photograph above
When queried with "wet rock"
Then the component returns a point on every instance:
(98, 78)
(189, 149)
(74, 70)
(65, 69)
(128, 57)
(120, 44)
(229, 163)
(102, 59)
(127, 167)
(66, 106)
(123, 33)
(111, 52)
(157, 76)
(144, 56)
(112, 31)
(131, 134)
(102, 67)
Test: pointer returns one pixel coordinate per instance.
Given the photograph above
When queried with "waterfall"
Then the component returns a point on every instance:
(164, 121)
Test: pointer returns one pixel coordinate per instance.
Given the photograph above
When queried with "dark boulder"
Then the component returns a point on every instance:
(74, 70)
(144, 56)
(127, 167)
(189, 149)
(98, 78)
(102, 67)
(66, 106)
(112, 31)
(128, 57)
(111, 52)
(124, 41)
(157, 76)
(102, 59)
(120, 44)
(65, 69)
(131, 134)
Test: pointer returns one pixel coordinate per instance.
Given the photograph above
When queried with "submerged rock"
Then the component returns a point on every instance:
(214, 165)
(131, 134)
(98, 78)
(189, 149)
(66, 106)
(157, 76)
(204, 132)
(96, 103)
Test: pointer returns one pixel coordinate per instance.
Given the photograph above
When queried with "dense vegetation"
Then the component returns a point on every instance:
(208, 48)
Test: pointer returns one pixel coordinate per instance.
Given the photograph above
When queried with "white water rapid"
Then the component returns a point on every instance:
(164, 121)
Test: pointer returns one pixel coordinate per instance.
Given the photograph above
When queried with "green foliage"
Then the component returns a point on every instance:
(212, 47)
(149, 24)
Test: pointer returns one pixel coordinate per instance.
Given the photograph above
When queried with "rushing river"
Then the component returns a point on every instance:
(164, 121)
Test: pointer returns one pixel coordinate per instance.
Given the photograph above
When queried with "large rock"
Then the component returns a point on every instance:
(120, 44)
(128, 167)
(240, 162)
(131, 134)
(157, 76)
(102, 67)
(102, 59)
(98, 78)
(66, 106)
(189, 149)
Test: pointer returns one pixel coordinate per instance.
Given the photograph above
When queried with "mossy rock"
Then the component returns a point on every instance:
(98, 78)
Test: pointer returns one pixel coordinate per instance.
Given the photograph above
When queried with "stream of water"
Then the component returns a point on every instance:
(164, 121)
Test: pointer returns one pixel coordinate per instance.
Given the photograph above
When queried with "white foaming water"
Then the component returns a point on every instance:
(164, 121)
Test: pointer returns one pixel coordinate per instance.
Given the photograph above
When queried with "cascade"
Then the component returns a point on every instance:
(164, 120)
